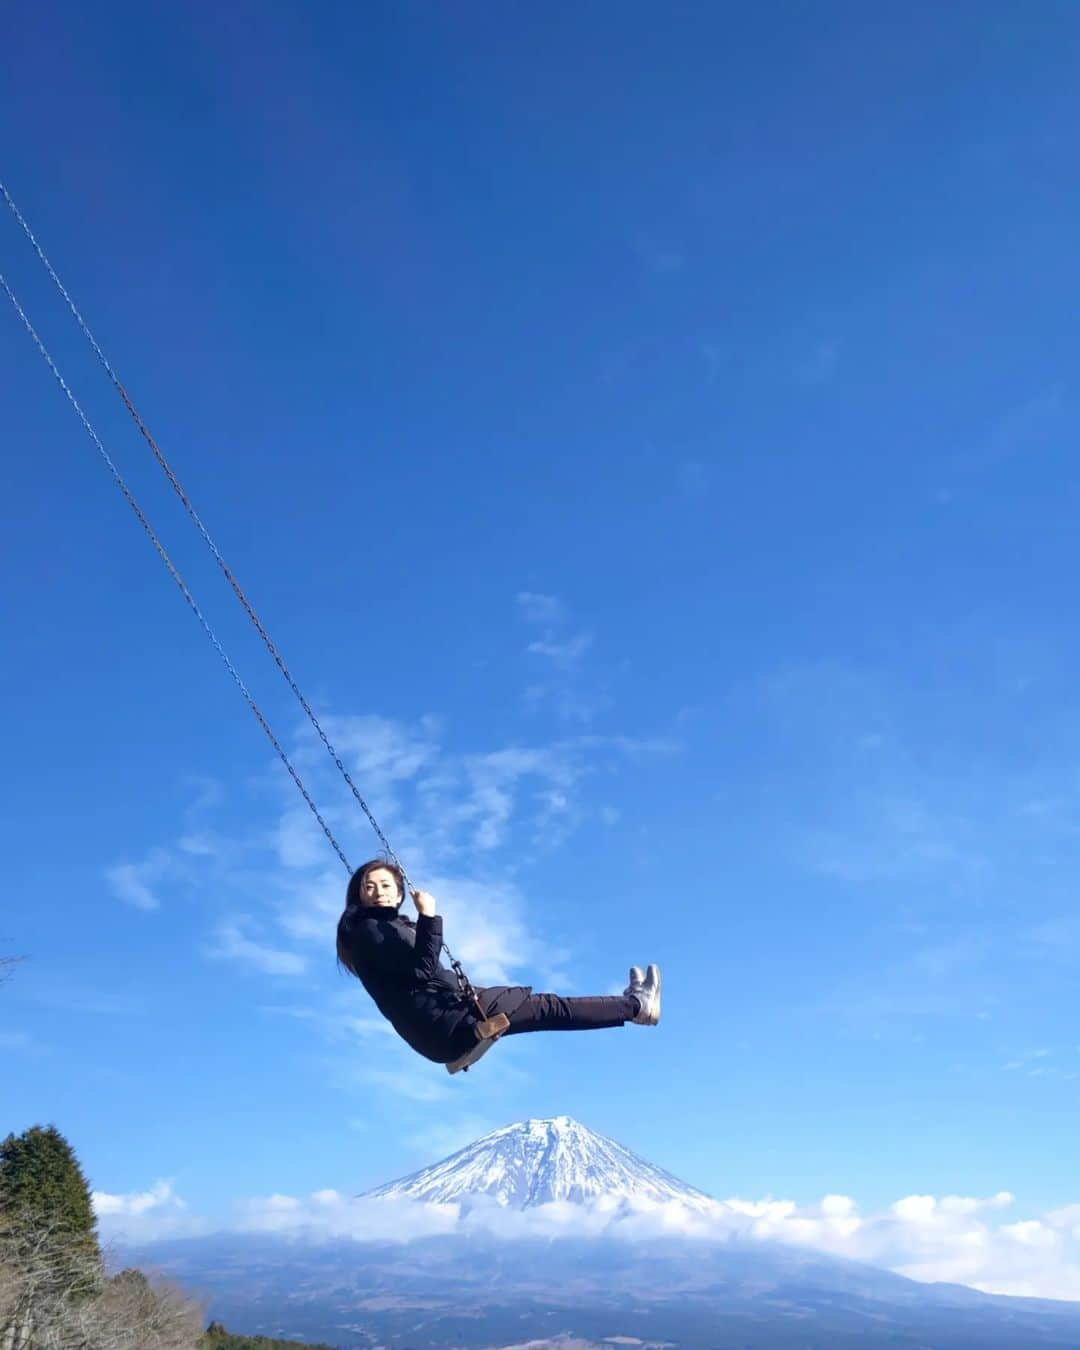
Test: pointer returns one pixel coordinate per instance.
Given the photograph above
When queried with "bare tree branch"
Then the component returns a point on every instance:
(7, 965)
(44, 1303)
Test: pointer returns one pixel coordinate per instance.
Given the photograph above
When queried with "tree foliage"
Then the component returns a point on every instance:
(43, 1191)
(217, 1338)
(53, 1291)
(54, 1294)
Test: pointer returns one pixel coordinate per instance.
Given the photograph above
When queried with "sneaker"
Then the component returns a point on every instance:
(648, 995)
(637, 979)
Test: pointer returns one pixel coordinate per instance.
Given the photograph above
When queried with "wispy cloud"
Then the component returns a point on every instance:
(446, 1134)
(1026, 427)
(138, 883)
(231, 943)
(556, 641)
(890, 837)
(1043, 1062)
(144, 882)
(465, 821)
(408, 1083)
(956, 888)
(948, 979)
(540, 608)
(560, 647)
(445, 811)
(891, 803)
(565, 652)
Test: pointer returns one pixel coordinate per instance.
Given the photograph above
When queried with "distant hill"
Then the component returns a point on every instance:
(480, 1293)
(217, 1338)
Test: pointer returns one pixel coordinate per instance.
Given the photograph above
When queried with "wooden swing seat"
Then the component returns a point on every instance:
(487, 1033)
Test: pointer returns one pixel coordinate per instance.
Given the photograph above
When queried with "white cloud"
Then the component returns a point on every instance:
(299, 840)
(489, 932)
(201, 844)
(915, 1208)
(368, 1027)
(443, 810)
(561, 649)
(1030, 1233)
(136, 883)
(951, 1239)
(564, 652)
(159, 1196)
(232, 944)
(442, 1136)
(329, 1214)
(450, 814)
(312, 904)
(376, 749)
(538, 608)
(414, 1084)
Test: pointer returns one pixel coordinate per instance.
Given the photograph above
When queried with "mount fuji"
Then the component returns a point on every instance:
(498, 1275)
(537, 1162)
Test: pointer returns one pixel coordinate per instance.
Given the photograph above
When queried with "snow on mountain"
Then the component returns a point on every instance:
(538, 1161)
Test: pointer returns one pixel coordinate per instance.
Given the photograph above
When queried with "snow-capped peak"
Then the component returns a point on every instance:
(538, 1161)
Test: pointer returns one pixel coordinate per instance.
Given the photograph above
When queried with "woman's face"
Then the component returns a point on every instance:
(381, 888)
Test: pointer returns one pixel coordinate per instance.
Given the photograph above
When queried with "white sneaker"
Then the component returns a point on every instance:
(648, 995)
(637, 980)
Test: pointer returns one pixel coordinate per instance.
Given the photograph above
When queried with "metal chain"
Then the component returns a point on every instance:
(190, 509)
(279, 661)
(172, 567)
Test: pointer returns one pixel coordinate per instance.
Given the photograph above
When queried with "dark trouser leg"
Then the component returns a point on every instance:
(551, 1012)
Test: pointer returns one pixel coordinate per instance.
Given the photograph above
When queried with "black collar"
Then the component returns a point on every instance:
(384, 912)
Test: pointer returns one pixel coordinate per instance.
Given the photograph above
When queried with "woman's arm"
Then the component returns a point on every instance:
(396, 952)
(428, 946)
(428, 936)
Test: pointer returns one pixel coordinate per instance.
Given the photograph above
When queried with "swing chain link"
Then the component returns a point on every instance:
(466, 984)
(174, 572)
(463, 979)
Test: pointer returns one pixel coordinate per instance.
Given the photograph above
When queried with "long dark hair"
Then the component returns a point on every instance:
(354, 900)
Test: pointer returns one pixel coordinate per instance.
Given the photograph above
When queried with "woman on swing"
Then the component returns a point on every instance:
(397, 962)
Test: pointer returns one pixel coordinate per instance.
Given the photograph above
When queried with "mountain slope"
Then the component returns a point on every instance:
(475, 1293)
(536, 1162)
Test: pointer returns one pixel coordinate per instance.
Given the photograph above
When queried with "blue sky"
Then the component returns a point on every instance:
(649, 438)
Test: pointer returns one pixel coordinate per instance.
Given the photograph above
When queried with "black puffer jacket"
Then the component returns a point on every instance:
(398, 963)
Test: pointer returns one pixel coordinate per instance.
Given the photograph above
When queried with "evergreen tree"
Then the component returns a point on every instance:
(216, 1337)
(130, 1281)
(43, 1193)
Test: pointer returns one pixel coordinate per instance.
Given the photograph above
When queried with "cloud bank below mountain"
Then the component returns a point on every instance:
(958, 1239)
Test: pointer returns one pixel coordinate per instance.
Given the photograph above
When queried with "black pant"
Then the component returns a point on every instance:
(553, 1012)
